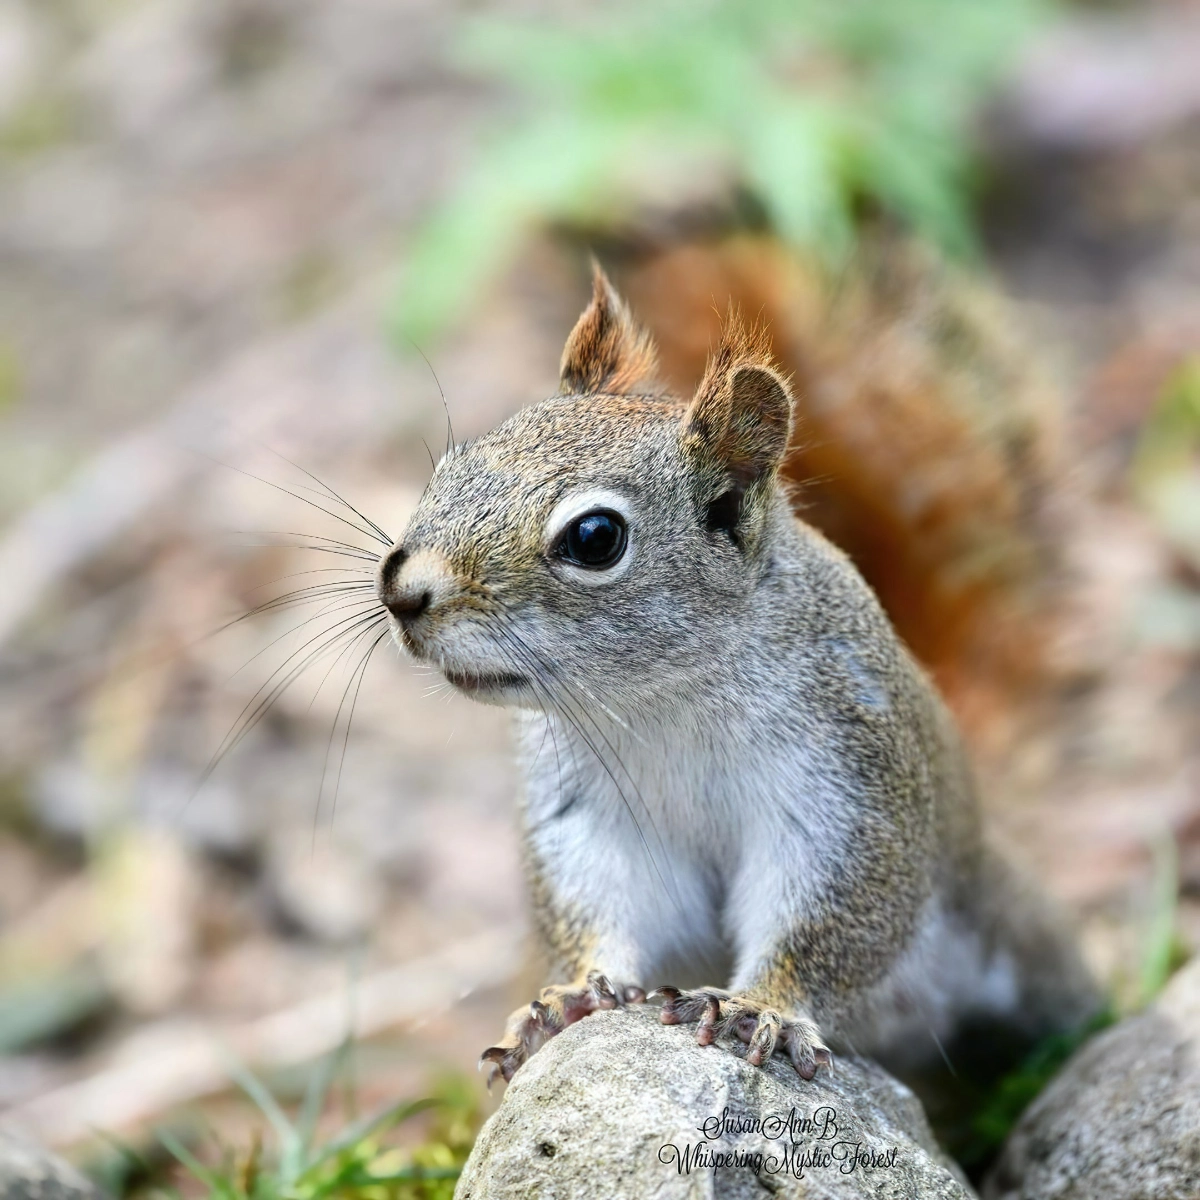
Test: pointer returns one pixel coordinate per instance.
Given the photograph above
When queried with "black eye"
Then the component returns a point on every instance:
(595, 540)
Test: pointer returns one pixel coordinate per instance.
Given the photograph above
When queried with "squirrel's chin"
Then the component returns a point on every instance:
(502, 688)
(507, 689)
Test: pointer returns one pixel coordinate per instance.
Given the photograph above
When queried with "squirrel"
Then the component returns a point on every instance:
(731, 761)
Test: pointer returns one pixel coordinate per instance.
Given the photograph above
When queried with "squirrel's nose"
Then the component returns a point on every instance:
(405, 594)
(407, 606)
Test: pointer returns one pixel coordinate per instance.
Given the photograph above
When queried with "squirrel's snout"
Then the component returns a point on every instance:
(407, 584)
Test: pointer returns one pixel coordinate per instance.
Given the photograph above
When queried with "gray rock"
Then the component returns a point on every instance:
(1122, 1119)
(29, 1173)
(612, 1107)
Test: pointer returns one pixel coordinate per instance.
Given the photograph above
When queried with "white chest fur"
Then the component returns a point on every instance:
(682, 839)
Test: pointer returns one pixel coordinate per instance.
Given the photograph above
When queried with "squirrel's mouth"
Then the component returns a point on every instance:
(472, 683)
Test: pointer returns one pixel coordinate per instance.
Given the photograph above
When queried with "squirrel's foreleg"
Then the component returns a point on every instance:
(597, 958)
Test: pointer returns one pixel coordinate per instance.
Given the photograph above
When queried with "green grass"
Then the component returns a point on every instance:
(991, 1124)
(362, 1161)
(814, 109)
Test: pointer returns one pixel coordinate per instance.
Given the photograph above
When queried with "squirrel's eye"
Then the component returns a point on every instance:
(595, 540)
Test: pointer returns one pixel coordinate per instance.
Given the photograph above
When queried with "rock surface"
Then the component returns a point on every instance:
(29, 1173)
(1122, 1119)
(613, 1107)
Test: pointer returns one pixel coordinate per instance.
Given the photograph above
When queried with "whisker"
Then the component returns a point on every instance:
(303, 500)
(292, 600)
(575, 715)
(351, 597)
(311, 571)
(315, 591)
(346, 652)
(278, 690)
(258, 704)
(362, 672)
(553, 734)
(580, 710)
(607, 711)
(450, 438)
(349, 606)
(324, 678)
(367, 558)
(333, 495)
(328, 543)
(278, 602)
(290, 670)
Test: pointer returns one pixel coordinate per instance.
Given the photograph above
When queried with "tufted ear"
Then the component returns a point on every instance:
(606, 351)
(741, 417)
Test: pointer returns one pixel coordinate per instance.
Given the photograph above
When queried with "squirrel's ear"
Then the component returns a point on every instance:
(606, 351)
(741, 417)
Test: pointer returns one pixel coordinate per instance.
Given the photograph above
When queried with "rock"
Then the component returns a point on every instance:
(30, 1173)
(615, 1105)
(1122, 1118)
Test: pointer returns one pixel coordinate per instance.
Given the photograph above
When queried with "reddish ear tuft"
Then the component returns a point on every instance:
(741, 416)
(606, 351)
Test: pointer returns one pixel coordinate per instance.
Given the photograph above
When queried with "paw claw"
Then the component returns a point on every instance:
(489, 1059)
(530, 1027)
(764, 1037)
(706, 1030)
(669, 995)
(504, 1061)
(603, 991)
(764, 1030)
(682, 1008)
(806, 1050)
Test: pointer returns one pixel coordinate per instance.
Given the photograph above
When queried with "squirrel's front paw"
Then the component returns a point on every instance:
(533, 1025)
(763, 1029)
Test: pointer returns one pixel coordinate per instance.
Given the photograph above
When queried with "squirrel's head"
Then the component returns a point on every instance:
(598, 547)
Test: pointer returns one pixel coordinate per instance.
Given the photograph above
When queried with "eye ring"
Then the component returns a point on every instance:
(595, 540)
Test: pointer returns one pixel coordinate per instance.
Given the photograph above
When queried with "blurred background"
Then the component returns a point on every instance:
(226, 229)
